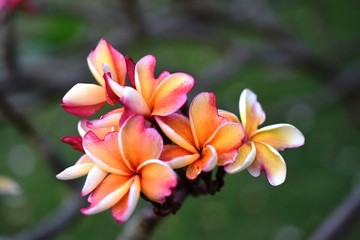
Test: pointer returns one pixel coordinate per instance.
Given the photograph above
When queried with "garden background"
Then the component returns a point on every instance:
(302, 58)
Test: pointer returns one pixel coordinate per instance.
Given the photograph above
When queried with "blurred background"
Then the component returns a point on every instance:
(302, 58)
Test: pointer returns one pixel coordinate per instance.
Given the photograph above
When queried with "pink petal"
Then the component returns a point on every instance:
(130, 98)
(157, 180)
(111, 97)
(178, 157)
(84, 99)
(104, 53)
(206, 163)
(170, 94)
(204, 118)
(177, 128)
(105, 153)
(270, 161)
(108, 193)
(126, 206)
(251, 113)
(95, 176)
(279, 136)
(244, 159)
(139, 143)
(130, 67)
(74, 141)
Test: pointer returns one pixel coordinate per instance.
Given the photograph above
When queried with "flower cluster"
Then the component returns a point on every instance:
(154, 145)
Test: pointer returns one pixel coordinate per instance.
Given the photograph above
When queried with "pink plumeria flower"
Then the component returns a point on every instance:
(260, 151)
(153, 96)
(204, 140)
(85, 99)
(131, 159)
(84, 166)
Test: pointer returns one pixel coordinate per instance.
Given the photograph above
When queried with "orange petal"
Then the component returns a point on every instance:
(104, 53)
(157, 180)
(105, 153)
(84, 99)
(270, 161)
(170, 94)
(93, 179)
(245, 157)
(139, 143)
(204, 117)
(178, 157)
(145, 81)
(279, 136)
(231, 117)
(126, 206)
(206, 163)
(251, 113)
(227, 137)
(108, 193)
(177, 128)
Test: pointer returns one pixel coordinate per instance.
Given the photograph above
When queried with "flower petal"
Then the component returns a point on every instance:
(206, 163)
(227, 137)
(245, 157)
(130, 98)
(84, 99)
(178, 157)
(139, 143)
(251, 113)
(130, 68)
(105, 153)
(74, 141)
(81, 168)
(157, 180)
(145, 81)
(271, 162)
(93, 179)
(170, 94)
(279, 136)
(110, 120)
(231, 117)
(108, 193)
(177, 128)
(126, 206)
(204, 117)
(104, 53)
(75, 171)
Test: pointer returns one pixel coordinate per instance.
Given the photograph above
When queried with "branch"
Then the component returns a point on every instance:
(62, 217)
(341, 220)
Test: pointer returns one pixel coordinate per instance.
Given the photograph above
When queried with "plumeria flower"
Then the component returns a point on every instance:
(260, 151)
(204, 140)
(84, 166)
(152, 96)
(85, 99)
(131, 159)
